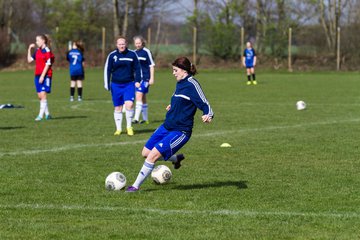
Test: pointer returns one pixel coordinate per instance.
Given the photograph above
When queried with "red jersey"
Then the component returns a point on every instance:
(42, 58)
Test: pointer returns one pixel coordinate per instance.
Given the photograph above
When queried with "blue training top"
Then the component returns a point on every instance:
(76, 59)
(249, 55)
(122, 67)
(188, 96)
(146, 61)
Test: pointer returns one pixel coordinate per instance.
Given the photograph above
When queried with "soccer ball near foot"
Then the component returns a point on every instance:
(161, 174)
(115, 181)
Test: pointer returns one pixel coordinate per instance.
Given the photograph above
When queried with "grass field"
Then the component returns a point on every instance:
(289, 174)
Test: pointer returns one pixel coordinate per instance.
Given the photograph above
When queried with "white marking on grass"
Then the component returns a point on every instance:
(208, 134)
(224, 212)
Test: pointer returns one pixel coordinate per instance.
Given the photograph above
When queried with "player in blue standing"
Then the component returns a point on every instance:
(122, 69)
(147, 66)
(249, 61)
(176, 130)
(76, 61)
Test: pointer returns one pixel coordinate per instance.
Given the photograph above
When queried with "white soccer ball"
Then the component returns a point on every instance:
(161, 174)
(115, 181)
(300, 105)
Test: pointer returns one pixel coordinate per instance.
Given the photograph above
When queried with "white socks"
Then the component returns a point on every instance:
(129, 116)
(138, 108)
(43, 107)
(144, 173)
(118, 116)
(145, 112)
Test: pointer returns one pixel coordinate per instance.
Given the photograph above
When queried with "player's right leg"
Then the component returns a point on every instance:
(138, 106)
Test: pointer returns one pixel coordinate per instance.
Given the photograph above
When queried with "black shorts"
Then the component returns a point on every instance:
(77, 77)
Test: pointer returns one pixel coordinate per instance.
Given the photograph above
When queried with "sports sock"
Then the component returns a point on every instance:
(249, 77)
(139, 106)
(173, 158)
(118, 116)
(145, 112)
(72, 91)
(47, 109)
(43, 104)
(79, 90)
(144, 173)
(253, 75)
(129, 116)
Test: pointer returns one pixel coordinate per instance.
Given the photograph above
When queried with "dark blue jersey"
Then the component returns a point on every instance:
(249, 54)
(146, 61)
(76, 59)
(122, 67)
(187, 98)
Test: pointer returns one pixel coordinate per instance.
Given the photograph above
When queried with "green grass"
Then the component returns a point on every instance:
(289, 174)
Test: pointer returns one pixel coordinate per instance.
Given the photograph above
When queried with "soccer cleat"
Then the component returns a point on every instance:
(179, 158)
(38, 118)
(143, 121)
(48, 117)
(135, 121)
(130, 131)
(79, 99)
(117, 133)
(71, 99)
(248, 83)
(132, 189)
(254, 82)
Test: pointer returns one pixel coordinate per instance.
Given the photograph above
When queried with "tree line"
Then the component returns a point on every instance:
(218, 22)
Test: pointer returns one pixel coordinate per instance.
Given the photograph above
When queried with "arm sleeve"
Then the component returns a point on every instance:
(244, 53)
(49, 58)
(68, 56)
(150, 59)
(34, 55)
(107, 73)
(199, 99)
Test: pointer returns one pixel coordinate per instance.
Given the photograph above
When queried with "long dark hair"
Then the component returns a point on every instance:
(185, 64)
(80, 45)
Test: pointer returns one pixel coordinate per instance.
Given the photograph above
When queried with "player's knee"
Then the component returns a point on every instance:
(145, 152)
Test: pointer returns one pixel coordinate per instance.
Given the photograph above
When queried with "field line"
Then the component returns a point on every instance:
(207, 134)
(246, 213)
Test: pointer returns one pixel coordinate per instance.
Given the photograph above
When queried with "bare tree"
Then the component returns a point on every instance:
(116, 18)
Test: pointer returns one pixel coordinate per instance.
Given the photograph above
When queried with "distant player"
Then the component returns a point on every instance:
(44, 59)
(121, 69)
(249, 61)
(176, 130)
(147, 66)
(76, 61)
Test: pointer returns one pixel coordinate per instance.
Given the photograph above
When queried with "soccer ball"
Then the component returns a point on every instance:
(161, 174)
(300, 105)
(115, 181)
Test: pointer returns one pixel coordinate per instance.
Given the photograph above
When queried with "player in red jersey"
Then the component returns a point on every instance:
(44, 59)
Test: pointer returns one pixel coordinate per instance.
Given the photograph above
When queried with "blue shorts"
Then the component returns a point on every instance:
(122, 92)
(249, 65)
(167, 142)
(45, 86)
(144, 87)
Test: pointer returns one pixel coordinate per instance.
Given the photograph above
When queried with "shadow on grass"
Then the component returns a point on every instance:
(217, 184)
(67, 117)
(144, 130)
(11, 128)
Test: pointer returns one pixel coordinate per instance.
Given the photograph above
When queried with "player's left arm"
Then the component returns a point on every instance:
(254, 58)
(199, 99)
